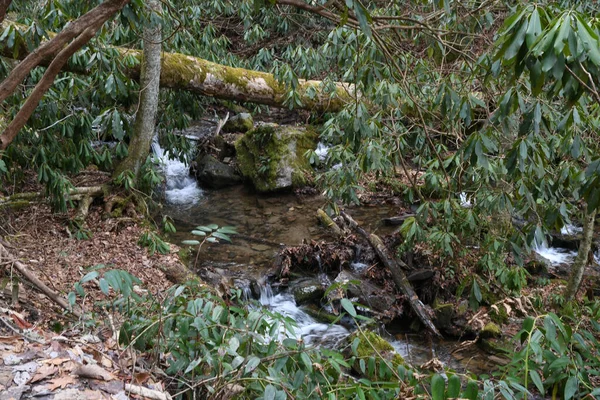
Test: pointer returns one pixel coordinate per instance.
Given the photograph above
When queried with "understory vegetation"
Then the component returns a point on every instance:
(479, 117)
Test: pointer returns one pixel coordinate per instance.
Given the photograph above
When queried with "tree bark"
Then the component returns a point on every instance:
(4, 4)
(145, 119)
(581, 261)
(397, 274)
(48, 49)
(207, 78)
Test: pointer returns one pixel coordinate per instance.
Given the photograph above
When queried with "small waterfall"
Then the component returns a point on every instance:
(555, 255)
(181, 188)
(571, 230)
(266, 294)
(311, 331)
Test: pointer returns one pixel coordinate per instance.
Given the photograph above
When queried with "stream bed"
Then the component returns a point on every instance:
(267, 223)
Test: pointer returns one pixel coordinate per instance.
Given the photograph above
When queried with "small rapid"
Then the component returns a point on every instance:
(559, 255)
(307, 328)
(181, 188)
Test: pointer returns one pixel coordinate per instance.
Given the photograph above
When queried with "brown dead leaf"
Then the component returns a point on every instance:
(93, 372)
(61, 382)
(43, 372)
(55, 361)
(20, 321)
(140, 378)
(9, 339)
(106, 362)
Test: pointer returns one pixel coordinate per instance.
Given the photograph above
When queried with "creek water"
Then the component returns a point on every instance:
(268, 222)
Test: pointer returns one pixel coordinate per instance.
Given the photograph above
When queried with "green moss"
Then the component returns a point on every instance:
(261, 151)
(494, 346)
(373, 346)
(185, 255)
(319, 314)
(491, 330)
(498, 314)
(181, 68)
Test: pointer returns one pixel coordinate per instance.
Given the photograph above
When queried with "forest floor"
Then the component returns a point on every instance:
(47, 353)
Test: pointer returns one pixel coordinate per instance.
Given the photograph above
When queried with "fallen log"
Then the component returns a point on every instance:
(329, 223)
(196, 75)
(398, 275)
(77, 193)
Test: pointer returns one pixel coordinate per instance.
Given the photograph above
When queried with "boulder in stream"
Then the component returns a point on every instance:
(307, 290)
(241, 122)
(215, 174)
(367, 293)
(272, 156)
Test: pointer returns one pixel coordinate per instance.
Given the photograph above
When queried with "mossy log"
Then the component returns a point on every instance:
(196, 75)
(397, 274)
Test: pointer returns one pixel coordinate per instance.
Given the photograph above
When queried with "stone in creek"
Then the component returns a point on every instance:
(260, 247)
(215, 174)
(307, 290)
(368, 293)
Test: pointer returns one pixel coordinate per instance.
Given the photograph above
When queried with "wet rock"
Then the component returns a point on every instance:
(260, 247)
(272, 156)
(307, 291)
(369, 294)
(444, 313)
(537, 267)
(215, 174)
(320, 314)
(242, 122)
(420, 275)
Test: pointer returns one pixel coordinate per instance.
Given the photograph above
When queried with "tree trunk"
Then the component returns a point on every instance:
(145, 119)
(581, 261)
(4, 4)
(207, 78)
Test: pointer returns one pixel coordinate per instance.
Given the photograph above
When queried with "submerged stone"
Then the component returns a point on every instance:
(272, 156)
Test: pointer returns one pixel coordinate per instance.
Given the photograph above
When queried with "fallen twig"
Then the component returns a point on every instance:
(30, 276)
(148, 393)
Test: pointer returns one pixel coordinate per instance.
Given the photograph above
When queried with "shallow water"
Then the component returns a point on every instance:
(287, 219)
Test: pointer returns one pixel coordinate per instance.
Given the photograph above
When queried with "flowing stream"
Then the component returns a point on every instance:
(287, 219)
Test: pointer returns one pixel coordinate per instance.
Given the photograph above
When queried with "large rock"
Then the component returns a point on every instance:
(369, 294)
(215, 174)
(242, 122)
(272, 156)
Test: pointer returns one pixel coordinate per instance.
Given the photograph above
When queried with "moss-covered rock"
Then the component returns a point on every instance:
(490, 330)
(372, 346)
(272, 156)
(443, 316)
(242, 122)
(498, 314)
